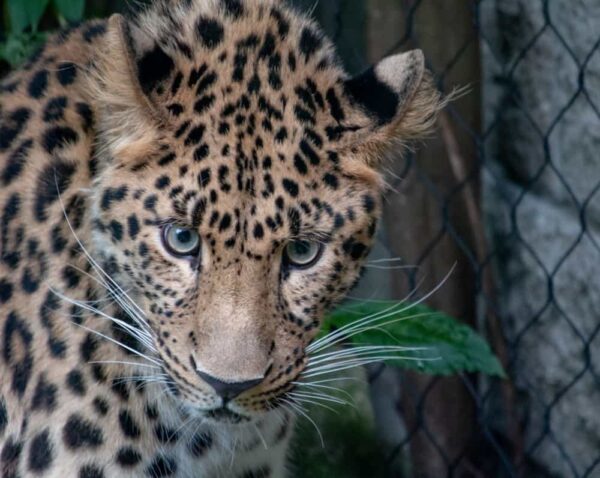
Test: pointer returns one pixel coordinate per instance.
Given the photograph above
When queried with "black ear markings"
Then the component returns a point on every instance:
(283, 26)
(335, 107)
(153, 68)
(310, 42)
(386, 89)
(376, 97)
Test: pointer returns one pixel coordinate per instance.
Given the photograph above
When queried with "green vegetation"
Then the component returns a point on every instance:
(26, 24)
(445, 346)
(22, 21)
(349, 449)
(427, 341)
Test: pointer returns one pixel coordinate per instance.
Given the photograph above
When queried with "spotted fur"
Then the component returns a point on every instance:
(229, 117)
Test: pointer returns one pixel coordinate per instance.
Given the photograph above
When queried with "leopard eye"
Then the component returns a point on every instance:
(302, 254)
(181, 241)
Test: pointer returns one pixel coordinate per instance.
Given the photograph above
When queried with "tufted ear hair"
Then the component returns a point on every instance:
(144, 61)
(393, 101)
(129, 67)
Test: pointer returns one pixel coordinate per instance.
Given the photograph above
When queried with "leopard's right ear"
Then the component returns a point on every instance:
(130, 68)
(133, 65)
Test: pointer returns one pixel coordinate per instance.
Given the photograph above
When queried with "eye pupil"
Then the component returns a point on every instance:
(184, 236)
(302, 248)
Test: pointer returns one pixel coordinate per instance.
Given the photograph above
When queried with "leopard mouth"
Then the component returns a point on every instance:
(225, 415)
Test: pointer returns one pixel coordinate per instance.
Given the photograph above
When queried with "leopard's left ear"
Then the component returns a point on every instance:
(395, 100)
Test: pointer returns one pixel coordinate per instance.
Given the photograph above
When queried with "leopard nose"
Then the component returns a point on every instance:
(228, 390)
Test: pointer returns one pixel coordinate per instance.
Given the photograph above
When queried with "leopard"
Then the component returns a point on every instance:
(186, 191)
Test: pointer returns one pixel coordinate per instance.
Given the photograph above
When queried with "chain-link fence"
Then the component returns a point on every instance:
(507, 195)
(507, 192)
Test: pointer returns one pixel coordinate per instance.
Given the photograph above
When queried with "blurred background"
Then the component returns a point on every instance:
(507, 191)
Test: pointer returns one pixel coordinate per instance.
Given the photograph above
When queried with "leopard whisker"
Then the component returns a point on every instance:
(126, 347)
(118, 298)
(124, 304)
(319, 396)
(329, 380)
(183, 426)
(351, 355)
(98, 281)
(348, 364)
(342, 333)
(324, 387)
(200, 421)
(389, 267)
(88, 256)
(387, 260)
(329, 339)
(309, 401)
(359, 360)
(132, 331)
(122, 298)
(119, 362)
(360, 329)
(136, 333)
(299, 409)
(260, 435)
(127, 304)
(360, 350)
(142, 379)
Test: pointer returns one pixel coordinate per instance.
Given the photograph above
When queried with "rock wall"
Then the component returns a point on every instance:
(542, 201)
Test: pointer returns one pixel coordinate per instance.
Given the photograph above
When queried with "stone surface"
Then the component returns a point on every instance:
(549, 282)
(548, 116)
(542, 202)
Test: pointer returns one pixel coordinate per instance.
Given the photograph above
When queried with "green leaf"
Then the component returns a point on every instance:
(72, 10)
(446, 345)
(25, 13)
(17, 48)
(19, 20)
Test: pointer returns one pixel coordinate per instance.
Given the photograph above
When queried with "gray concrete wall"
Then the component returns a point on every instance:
(542, 201)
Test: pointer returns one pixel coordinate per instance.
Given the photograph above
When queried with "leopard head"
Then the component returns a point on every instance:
(238, 186)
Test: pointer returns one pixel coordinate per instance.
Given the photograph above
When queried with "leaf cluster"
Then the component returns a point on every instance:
(22, 25)
(436, 343)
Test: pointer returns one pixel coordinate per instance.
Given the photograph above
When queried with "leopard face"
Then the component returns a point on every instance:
(237, 190)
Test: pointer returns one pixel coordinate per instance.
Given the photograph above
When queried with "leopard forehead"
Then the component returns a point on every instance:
(234, 73)
(240, 99)
(189, 84)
